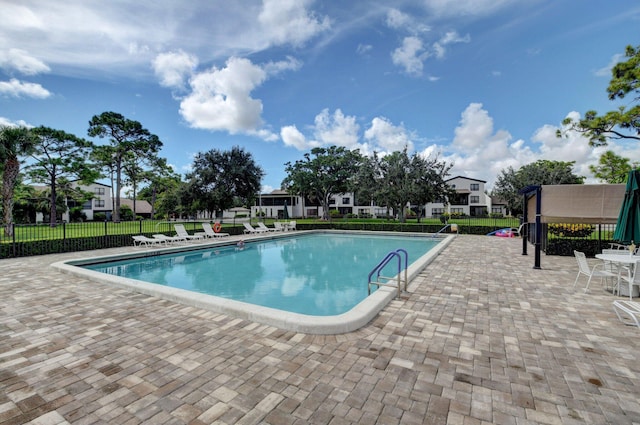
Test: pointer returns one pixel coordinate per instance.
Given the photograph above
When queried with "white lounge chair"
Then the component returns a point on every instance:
(169, 239)
(262, 226)
(631, 309)
(211, 233)
(292, 225)
(248, 228)
(139, 240)
(182, 232)
(278, 227)
(592, 271)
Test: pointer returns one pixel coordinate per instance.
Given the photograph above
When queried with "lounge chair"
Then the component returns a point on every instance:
(262, 226)
(248, 228)
(139, 240)
(631, 309)
(169, 239)
(210, 231)
(292, 225)
(182, 232)
(278, 227)
(592, 271)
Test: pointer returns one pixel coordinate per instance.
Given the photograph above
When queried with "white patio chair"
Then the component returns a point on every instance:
(596, 270)
(631, 279)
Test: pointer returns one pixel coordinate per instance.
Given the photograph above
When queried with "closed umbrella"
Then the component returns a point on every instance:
(285, 213)
(628, 224)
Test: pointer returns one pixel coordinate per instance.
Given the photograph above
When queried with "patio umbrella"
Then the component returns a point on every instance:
(628, 224)
(285, 213)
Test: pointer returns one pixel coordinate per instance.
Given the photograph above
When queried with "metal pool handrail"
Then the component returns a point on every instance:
(388, 279)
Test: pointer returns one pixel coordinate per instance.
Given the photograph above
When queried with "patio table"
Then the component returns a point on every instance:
(627, 260)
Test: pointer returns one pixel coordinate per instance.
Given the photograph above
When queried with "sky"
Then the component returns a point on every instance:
(481, 84)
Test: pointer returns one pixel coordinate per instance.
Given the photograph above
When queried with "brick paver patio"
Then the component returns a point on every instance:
(484, 338)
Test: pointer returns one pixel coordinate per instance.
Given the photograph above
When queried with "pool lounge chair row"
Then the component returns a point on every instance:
(262, 228)
(181, 236)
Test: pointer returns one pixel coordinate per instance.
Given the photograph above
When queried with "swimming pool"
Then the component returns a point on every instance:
(312, 282)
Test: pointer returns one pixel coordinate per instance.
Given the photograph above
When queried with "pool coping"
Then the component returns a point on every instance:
(349, 321)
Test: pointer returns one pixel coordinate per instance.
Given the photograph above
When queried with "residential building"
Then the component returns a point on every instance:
(470, 199)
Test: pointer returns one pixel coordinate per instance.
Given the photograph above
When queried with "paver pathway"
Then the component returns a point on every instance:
(481, 338)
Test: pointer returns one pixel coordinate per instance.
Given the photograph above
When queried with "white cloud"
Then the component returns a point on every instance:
(401, 21)
(388, 137)
(289, 22)
(291, 136)
(220, 98)
(20, 60)
(6, 122)
(465, 7)
(336, 129)
(363, 49)
(606, 71)
(173, 68)
(16, 88)
(451, 37)
(342, 130)
(127, 36)
(410, 55)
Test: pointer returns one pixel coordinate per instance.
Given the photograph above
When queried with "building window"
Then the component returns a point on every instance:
(346, 201)
(497, 210)
(457, 210)
(474, 199)
(99, 191)
(86, 205)
(99, 203)
(332, 201)
(437, 211)
(475, 187)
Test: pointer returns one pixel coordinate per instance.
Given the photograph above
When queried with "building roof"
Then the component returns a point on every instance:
(142, 206)
(466, 178)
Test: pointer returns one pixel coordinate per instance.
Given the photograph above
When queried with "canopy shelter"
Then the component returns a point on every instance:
(570, 203)
(628, 224)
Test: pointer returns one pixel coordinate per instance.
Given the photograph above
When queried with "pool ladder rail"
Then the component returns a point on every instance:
(453, 226)
(390, 281)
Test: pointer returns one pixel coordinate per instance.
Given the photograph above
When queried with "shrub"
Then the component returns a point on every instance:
(571, 230)
(100, 216)
(496, 215)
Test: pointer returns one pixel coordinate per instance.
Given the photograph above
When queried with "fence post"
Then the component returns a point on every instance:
(140, 226)
(13, 237)
(64, 236)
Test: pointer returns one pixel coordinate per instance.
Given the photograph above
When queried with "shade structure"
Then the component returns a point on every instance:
(628, 224)
(285, 213)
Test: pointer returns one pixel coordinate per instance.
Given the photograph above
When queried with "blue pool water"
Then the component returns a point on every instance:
(318, 274)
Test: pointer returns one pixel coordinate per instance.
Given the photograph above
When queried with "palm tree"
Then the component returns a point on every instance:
(14, 142)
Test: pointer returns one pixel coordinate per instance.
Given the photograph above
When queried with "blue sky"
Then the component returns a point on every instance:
(483, 84)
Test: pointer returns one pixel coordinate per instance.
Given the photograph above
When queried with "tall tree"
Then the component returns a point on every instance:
(15, 142)
(398, 179)
(612, 168)
(624, 122)
(160, 177)
(126, 137)
(541, 172)
(219, 177)
(59, 155)
(323, 173)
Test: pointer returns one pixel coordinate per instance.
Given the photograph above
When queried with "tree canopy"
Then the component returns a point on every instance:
(541, 172)
(398, 179)
(624, 122)
(612, 168)
(322, 173)
(128, 139)
(59, 155)
(220, 178)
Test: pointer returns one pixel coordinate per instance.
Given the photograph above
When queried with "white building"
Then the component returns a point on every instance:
(470, 199)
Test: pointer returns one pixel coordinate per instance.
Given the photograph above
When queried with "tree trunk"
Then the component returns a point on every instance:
(11, 170)
(53, 210)
(116, 212)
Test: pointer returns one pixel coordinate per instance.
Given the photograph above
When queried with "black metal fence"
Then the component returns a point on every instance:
(37, 239)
